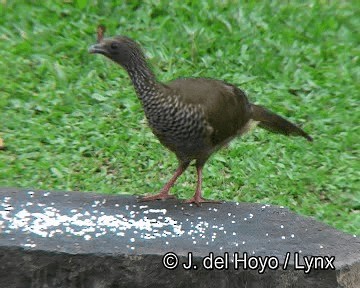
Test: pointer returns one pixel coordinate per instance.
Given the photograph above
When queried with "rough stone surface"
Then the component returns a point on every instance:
(74, 239)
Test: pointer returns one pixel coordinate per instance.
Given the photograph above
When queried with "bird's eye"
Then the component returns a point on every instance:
(114, 45)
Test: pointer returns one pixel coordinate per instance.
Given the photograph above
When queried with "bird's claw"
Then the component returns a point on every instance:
(159, 196)
(198, 200)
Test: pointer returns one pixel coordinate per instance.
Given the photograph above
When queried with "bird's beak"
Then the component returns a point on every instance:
(97, 48)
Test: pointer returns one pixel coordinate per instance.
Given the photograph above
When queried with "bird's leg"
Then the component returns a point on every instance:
(197, 198)
(164, 193)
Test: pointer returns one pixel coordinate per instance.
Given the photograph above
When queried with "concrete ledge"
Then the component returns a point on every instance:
(74, 239)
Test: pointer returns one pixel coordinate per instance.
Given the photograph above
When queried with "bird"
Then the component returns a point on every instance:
(192, 117)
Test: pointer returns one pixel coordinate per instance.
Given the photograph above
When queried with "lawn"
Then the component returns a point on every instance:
(71, 120)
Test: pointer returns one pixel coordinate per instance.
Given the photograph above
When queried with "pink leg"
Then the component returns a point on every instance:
(164, 193)
(197, 198)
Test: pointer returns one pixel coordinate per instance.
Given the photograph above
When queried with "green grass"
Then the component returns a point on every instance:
(71, 121)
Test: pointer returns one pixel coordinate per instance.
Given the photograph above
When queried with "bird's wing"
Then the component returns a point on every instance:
(226, 107)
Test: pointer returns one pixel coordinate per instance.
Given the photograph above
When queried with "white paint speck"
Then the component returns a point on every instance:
(96, 203)
(31, 245)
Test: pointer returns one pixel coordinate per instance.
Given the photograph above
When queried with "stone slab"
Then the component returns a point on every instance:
(77, 239)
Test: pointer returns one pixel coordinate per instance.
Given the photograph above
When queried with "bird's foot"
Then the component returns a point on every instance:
(159, 196)
(198, 200)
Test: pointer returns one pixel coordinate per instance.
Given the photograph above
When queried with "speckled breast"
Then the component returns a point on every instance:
(181, 128)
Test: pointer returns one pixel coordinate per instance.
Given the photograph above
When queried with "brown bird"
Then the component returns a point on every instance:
(192, 117)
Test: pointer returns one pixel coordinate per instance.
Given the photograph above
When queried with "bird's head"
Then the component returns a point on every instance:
(120, 49)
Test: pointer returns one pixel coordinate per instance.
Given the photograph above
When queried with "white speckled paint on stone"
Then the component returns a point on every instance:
(38, 219)
(87, 224)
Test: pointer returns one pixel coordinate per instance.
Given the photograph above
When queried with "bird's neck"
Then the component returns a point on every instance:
(143, 79)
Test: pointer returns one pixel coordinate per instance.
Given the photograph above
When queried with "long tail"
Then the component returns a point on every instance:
(275, 123)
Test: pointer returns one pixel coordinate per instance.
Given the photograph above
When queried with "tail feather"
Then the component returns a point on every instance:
(275, 123)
